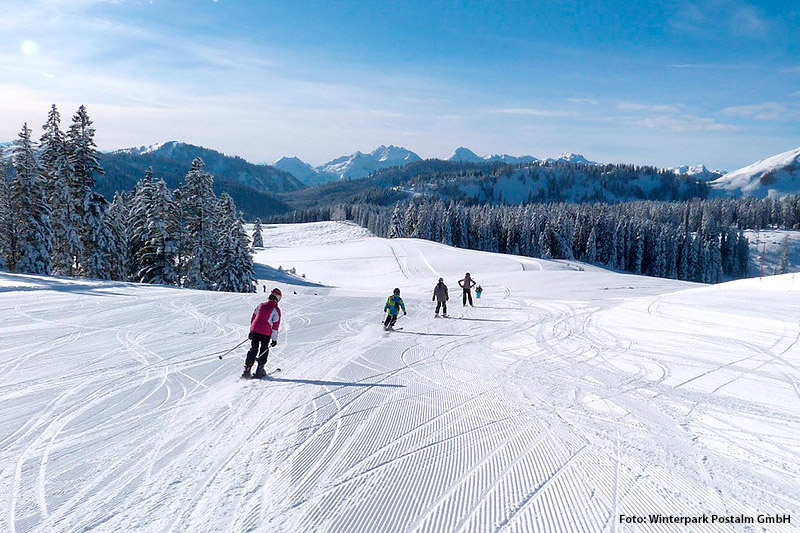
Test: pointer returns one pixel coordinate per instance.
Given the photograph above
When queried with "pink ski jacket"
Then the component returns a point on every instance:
(266, 319)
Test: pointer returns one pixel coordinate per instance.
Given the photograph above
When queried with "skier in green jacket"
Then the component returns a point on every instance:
(392, 308)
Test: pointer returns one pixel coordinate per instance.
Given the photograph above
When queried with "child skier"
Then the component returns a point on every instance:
(478, 291)
(264, 326)
(392, 309)
(440, 296)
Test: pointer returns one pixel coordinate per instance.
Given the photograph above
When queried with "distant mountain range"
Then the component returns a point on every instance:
(253, 187)
(360, 165)
(260, 189)
(353, 166)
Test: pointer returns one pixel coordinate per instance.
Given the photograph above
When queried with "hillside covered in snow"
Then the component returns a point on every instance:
(566, 398)
(775, 176)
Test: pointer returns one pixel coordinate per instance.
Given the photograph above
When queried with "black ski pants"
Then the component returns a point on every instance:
(442, 305)
(390, 320)
(259, 346)
(467, 296)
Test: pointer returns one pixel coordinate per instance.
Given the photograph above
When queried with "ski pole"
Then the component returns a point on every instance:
(232, 349)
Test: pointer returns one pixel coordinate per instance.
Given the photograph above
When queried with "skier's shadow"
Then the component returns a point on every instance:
(432, 334)
(324, 383)
(479, 319)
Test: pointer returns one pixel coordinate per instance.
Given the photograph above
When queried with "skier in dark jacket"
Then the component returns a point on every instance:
(440, 296)
(392, 309)
(264, 325)
(467, 283)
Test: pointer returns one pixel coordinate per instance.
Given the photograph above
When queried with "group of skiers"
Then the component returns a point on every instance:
(440, 295)
(266, 319)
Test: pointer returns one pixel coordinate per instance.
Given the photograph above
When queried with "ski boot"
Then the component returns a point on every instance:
(246, 373)
(260, 372)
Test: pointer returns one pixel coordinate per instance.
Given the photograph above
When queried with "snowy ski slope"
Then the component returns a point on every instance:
(564, 398)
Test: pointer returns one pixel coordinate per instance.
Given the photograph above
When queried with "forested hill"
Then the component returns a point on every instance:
(498, 183)
(251, 186)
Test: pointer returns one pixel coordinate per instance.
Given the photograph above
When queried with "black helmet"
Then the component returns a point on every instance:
(441, 280)
(397, 291)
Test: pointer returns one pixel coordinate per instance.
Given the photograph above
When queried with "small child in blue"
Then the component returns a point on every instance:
(478, 291)
(392, 309)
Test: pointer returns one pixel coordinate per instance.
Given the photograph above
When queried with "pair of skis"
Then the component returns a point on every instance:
(268, 374)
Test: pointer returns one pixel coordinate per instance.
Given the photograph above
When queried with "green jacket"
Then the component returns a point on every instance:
(393, 305)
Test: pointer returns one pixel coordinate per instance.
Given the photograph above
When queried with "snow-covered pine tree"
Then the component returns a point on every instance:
(591, 247)
(783, 265)
(396, 224)
(158, 255)
(258, 238)
(199, 204)
(233, 271)
(85, 166)
(100, 261)
(5, 216)
(117, 217)
(137, 223)
(34, 238)
(56, 172)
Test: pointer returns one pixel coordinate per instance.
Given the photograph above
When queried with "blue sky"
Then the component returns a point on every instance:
(663, 83)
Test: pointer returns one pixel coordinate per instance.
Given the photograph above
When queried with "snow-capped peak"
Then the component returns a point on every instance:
(698, 171)
(465, 155)
(774, 176)
(570, 157)
(359, 164)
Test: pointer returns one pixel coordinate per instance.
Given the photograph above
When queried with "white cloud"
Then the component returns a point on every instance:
(681, 123)
(590, 101)
(650, 108)
(527, 111)
(769, 111)
(721, 16)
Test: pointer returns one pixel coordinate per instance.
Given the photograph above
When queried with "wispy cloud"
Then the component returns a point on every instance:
(769, 111)
(791, 70)
(712, 16)
(681, 123)
(649, 108)
(590, 101)
(533, 112)
(711, 66)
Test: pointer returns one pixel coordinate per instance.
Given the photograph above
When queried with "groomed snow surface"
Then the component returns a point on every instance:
(564, 398)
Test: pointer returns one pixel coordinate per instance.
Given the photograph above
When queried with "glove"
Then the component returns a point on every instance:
(273, 343)
(405, 313)
(250, 335)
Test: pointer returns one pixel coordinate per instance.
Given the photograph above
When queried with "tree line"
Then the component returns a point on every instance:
(53, 222)
(697, 240)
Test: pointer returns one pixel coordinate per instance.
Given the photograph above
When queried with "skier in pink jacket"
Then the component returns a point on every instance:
(264, 325)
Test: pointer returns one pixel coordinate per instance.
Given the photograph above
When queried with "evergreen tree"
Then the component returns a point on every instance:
(158, 254)
(85, 166)
(396, 224)
(29, 207)
(199, 205)
(6, 220)
(591, 247)
(234, 268)
(258, 239)
(783, 265)
(56, 171)
(100, 262)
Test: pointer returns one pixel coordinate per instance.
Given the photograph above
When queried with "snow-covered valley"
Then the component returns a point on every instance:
(568, 396)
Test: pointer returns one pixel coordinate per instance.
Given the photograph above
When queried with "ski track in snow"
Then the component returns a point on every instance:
(560, 401)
